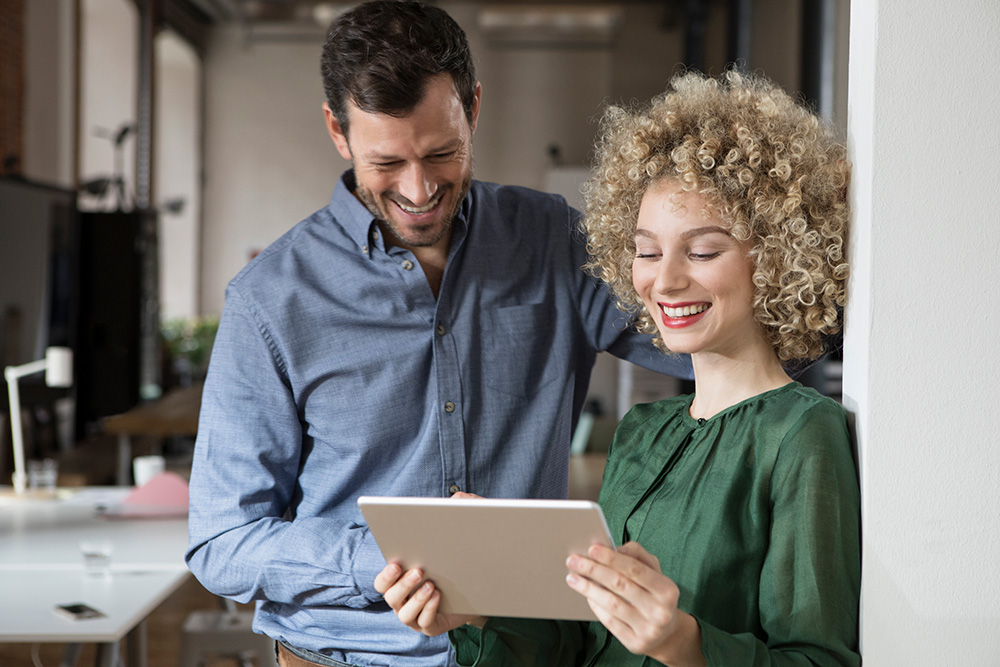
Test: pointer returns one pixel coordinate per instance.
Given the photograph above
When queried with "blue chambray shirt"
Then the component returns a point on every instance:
(336, 373)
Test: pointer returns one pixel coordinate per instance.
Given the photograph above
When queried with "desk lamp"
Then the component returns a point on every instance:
(58, 367)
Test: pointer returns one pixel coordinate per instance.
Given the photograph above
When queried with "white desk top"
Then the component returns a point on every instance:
(46, 534)
(27, 599)
(41, 566)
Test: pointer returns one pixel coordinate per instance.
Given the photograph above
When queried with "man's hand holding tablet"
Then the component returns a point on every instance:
(416, 601)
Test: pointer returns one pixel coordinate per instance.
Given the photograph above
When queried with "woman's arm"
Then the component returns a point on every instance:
(810, 579)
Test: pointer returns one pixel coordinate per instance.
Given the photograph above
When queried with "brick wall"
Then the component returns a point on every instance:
(11, 86)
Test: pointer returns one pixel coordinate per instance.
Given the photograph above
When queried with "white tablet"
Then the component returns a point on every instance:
(491, 557)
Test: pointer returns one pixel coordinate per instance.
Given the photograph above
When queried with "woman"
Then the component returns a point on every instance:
(719, 216)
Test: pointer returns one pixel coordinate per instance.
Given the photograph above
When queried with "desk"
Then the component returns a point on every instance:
(41, 566)
(175, 413)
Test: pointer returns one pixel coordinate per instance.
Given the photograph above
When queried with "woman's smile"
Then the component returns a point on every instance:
(680, 315)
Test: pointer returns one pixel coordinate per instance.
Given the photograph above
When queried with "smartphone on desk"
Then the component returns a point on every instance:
(78, 611)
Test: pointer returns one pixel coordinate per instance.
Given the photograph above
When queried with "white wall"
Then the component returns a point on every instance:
(268, 159)
(920, 369)
(177, 172)
(50, 52)
(109, 74)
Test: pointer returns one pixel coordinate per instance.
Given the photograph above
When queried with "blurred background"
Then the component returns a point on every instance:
(150, 148)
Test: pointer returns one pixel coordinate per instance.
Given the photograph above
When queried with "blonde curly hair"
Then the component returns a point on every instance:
(769, 168)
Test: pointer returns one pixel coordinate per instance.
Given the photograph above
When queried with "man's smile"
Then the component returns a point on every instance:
(420, 210)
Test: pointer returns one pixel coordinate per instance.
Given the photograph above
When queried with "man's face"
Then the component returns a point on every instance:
(412, 172)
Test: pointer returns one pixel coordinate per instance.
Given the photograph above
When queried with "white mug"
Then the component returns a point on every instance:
(144, 468)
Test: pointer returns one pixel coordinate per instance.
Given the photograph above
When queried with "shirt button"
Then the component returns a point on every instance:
(364, 249)
(453, 489)
(440, 330)
(449, 407)
(407, 264)
(375, 235)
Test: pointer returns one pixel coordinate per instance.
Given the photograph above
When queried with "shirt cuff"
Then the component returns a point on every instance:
(368, 562)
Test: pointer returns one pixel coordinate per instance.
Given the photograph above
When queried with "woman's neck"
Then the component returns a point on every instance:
(722, 381)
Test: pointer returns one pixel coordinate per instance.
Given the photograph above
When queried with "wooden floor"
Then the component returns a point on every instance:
(163, 637)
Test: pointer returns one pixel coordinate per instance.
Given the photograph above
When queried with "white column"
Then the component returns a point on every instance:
(921, 367)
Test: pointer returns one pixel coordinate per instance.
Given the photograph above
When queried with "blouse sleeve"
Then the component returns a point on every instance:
(811, 578)
(519, 642)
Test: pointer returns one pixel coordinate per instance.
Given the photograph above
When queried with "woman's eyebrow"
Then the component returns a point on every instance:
(700, 231)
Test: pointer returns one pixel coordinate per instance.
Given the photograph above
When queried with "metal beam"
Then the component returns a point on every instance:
(819, 24)
(740, 32)
(695, 28)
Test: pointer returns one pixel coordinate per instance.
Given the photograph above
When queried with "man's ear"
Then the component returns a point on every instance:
(475, 107)
(336, 133)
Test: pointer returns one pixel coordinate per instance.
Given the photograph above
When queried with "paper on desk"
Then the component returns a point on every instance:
(164, 496)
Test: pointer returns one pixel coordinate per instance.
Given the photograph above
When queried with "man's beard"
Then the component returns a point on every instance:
(418, 237)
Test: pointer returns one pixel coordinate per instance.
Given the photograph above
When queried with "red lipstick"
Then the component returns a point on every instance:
(680, 321)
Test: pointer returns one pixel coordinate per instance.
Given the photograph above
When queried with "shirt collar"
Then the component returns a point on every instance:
(350, 213)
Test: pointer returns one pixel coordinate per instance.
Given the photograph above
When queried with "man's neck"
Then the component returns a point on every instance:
(432, 259)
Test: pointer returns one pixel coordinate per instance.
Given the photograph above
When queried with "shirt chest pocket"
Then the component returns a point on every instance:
(519, 356)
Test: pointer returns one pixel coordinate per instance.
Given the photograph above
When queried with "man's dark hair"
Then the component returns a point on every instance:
(380, 55)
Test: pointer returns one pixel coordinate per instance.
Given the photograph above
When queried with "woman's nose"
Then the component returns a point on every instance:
(671, 275)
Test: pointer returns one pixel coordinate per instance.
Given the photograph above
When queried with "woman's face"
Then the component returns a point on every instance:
(694, 278)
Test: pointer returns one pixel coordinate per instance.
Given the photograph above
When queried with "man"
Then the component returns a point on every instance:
(421, 335)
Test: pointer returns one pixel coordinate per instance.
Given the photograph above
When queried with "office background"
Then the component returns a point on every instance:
(918, 107)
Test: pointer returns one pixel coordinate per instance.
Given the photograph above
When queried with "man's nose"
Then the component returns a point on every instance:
(417, 185)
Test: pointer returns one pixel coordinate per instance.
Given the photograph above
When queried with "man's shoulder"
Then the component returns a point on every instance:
(295, 249)
(518, 196)
(513, 214)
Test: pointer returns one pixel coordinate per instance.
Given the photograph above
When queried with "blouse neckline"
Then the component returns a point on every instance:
(695, 423)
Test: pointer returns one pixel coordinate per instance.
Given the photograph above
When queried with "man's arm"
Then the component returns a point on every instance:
(244, 541)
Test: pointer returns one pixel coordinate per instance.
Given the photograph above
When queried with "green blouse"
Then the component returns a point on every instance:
(754, 514)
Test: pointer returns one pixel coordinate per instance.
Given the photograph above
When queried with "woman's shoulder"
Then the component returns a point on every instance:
(803, 400)
(810, 425)
(790, 421)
